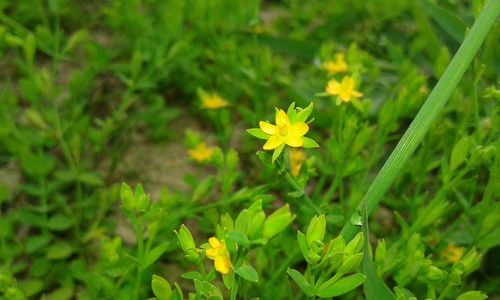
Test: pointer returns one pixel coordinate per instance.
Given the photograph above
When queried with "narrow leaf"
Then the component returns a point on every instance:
(342, 286)
(375, 287)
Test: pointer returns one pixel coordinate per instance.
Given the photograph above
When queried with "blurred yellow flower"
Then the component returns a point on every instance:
(453, 253)
(297, 156)
(213, 101)
(284, 132)
(345, 89)
(201, 153)
(337, 66)
(219, 254)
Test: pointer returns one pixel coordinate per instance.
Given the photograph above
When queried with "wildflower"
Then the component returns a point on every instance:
(212, 101)
(337, 66)
(289, 130)
(297, 156)
(219, 254)
(345, 89)
(284, 132)
(201, 153)
(453, 253)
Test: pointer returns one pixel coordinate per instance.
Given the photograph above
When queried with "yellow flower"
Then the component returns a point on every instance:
(345, 89)
(284, 132)
(213, 101)
(337, 66)
(453, 253)
(219, 254)
(297, 156)
(201, 153)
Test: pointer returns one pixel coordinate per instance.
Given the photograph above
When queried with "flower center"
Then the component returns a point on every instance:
(283, 130)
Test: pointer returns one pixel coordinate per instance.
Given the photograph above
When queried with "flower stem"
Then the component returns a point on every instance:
(140, 254)
(297, 187)
(429, 111)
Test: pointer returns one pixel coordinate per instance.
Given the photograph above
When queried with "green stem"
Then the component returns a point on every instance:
(140, 255)
(297, 187)
(429, 111)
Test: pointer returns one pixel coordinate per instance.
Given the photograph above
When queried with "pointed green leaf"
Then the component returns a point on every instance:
(258, 133)
(277, 152)
(342, 286)
(309, 143)
(301, 281)
(304, 113)
(247, 272)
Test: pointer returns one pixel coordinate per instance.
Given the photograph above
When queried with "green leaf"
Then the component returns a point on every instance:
(342, 286)
(309, 143)
(203, 188)
(472, 295)
(316, 230)
(192, 275)
(296, 194)
(154, 254)
(62, 293)
(304, 113)
(31, 287)
(37, 242)
(248, 272)
(350, 263)
(277, 152)
(161, 288)
(301, 282)
(258, 133)
(292, 114)
(59, 222)
(459, 152)
(301, 238)
(59, 250)
(238, 237)
(91, 179)
(375, 288)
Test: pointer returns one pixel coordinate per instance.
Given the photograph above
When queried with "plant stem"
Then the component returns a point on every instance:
(140, 254)
(429, 111)
(297, 187)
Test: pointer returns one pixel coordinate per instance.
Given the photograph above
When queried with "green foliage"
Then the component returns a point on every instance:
(126, 171)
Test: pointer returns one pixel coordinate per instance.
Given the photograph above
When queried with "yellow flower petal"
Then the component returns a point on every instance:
(201, 153)
(282, 118)
(299, 129)
(294, 141)
(273, 142)
(211, 253)
(333, 87)
(222, 264)
(267, 127)
(345, 96)
(214, 242)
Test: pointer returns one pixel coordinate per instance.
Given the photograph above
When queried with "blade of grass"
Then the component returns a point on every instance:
(375, 288)
(429, 111)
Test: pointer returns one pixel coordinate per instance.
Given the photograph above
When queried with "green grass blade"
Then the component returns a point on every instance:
(375, 288)
(429, 111)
